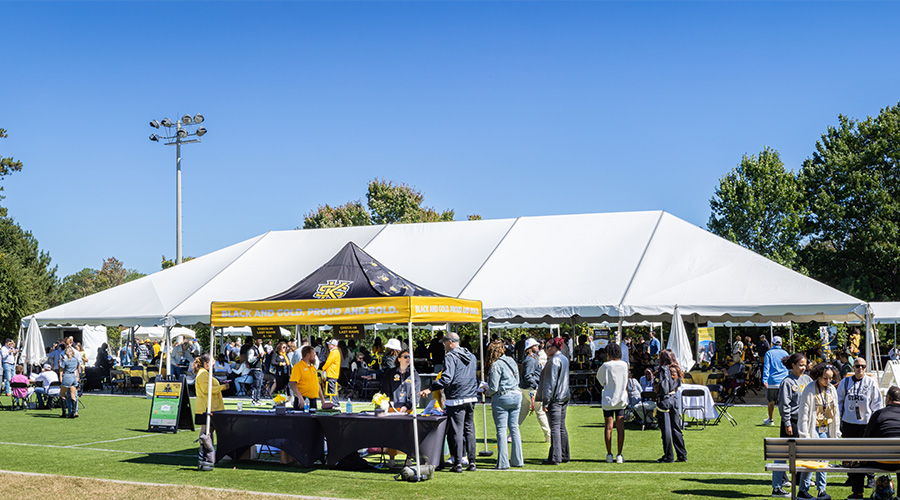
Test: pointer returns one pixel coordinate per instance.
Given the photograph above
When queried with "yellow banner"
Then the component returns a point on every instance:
(708, 333)
(346, 311)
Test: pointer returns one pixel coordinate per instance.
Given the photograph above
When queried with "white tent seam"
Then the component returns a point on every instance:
(637, 268)
(486, 259)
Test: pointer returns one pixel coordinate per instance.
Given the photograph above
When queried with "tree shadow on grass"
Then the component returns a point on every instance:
(730, 480)
(717, 494)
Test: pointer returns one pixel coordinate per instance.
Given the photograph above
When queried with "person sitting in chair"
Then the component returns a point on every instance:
(42, 385)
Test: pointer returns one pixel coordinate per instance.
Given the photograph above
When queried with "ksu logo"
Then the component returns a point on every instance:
(332, 289)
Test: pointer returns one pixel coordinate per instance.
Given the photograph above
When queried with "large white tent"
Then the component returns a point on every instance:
(584, 268)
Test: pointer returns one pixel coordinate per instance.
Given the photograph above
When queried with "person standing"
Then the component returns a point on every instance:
(788, 407)
(737, 351)
(506, 398)
(252, 357)
(613, 377)
(69, 376)
(763, 347)
(397, 386)
(553, 392)
(774, 372)
(436, 351)
(818, 417)
(653, 347)
(8, 355)
(884, 423)
(530, 376)
(460, 386)
(304, 381)
(668, 379)
(332, 368)
(858, 398)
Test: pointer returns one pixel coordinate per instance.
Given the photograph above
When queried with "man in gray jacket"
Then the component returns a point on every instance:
(553, 392)
(460, 386)
(530, 377)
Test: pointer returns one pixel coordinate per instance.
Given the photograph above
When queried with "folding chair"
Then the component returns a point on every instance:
(686, 405)
(722, 410)
(54, 398)
(117, 381)
(79, 393)
(647, 397)
(19, 403)
(370, 387)
(136, 379)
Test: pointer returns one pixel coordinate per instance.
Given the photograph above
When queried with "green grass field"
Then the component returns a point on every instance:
(110, 441)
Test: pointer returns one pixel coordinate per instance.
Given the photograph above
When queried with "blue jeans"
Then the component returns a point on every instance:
(8, 372)
(821, 477)
(505, 409)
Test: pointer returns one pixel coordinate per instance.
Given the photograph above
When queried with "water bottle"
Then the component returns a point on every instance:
(349, 406)
(306, 405)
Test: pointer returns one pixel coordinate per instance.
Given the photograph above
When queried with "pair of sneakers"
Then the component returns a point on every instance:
(618, 459)
(806, 494)
(768, 421)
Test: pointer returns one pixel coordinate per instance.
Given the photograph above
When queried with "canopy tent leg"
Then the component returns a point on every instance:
(485, 452)
(209, 388)
(697, 339)
(791, 334)
(415, 407)
(165, 352)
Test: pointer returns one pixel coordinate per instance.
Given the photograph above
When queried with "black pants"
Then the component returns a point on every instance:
(670, 427)
(461, 432)
(559, 436)
(256, 392)
(849, 430)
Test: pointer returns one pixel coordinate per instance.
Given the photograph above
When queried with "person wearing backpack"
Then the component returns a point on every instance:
(250, 354)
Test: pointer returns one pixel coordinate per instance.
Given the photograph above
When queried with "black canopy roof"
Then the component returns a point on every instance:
(350, 274)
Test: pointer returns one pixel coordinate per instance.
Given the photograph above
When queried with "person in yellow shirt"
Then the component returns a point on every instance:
(201, 385)
(332, 370)
(304, 382)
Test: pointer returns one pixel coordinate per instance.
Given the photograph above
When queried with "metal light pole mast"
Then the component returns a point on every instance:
(177, 140)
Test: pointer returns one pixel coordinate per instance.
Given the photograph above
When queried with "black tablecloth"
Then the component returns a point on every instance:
(301, 435)
(298, 434)
(348, 433)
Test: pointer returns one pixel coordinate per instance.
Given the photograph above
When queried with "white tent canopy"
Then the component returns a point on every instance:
(633, 265)
(159, 332)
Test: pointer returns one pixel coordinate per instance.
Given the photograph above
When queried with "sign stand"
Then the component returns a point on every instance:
(170, 408)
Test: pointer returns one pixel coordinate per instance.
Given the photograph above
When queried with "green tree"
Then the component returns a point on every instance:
(90, 281)
(760, 206)
(387, 203)
(28, 283)
(390, 204)
(167, 263)
(852, 182)
(8, 165)
(351, 213)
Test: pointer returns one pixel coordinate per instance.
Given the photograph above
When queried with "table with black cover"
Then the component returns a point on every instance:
(348, 433)
(298, 434)
(302, 435)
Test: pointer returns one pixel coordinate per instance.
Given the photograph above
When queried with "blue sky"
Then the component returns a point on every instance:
(502, 109)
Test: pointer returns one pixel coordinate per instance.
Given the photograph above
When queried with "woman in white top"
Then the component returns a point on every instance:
(818, 416)
(613, 376)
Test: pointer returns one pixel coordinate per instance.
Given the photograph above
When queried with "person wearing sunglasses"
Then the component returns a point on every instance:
(858, 398)
(397, 385)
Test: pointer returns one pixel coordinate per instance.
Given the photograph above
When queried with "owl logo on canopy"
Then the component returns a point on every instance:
(332, 289)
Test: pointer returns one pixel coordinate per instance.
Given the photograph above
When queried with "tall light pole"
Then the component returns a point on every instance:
(184, 128)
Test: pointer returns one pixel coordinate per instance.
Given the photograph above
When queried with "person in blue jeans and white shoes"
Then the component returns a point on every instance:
(818, 417)
(774, 372)
(8, 353)
(506, 398)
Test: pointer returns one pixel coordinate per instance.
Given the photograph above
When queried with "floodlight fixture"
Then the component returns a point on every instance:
(181, 133)
(154, 123)
(154, 137)
(167, 122)
(201, 132)
(186, 119)
(198, 119)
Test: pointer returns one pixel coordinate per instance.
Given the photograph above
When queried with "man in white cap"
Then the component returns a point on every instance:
(460, 386)
(529, 378)
(332, 369)
(773, 373)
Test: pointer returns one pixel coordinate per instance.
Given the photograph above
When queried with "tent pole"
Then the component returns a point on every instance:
(163, 351)
(413, 394)
(485, 453)
(791, 333)
(697, 339)
(212, 347)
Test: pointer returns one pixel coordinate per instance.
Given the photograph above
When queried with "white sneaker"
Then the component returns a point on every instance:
(768, 421)
(619, 459)
(609, 458)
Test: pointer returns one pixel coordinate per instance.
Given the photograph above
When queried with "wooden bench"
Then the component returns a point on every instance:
(854, 449)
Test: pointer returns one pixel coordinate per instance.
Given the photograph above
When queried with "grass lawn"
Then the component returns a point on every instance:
(110, 441)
